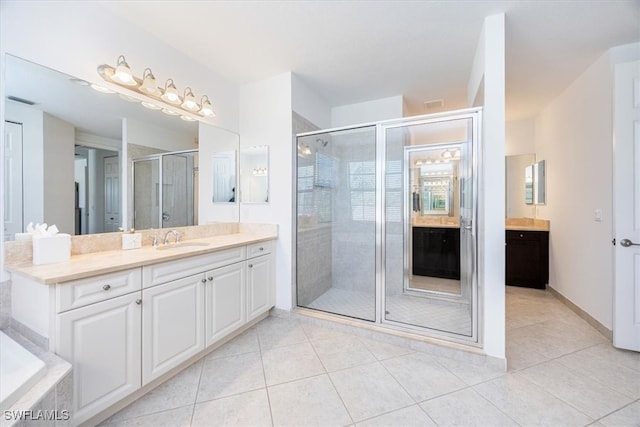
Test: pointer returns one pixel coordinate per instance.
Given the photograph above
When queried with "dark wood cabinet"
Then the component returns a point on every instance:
(436, 252)
(527, 258)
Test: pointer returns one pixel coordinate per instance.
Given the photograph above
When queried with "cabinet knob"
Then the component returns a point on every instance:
(521, 235)
(210, 279)
(204, 280)
(262, 249)
(250, 265)
(138, 301)
(106, 287)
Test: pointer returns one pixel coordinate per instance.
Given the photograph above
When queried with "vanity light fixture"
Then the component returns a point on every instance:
(122, 73)
(206, 109)
(170, 94)
(189, 101)
(446, 154)
(149, 85)
(166, 99)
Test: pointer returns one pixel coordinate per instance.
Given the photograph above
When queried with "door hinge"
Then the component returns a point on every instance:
(613, 242)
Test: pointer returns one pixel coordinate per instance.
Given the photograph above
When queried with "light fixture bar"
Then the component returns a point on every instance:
(153, 97)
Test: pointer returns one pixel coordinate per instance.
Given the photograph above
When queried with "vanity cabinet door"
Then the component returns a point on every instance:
(172, 325)
(527, 258)
(102, 342)
(259, 286)
(225, 301)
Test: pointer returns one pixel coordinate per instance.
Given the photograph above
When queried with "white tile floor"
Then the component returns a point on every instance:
(285, 372)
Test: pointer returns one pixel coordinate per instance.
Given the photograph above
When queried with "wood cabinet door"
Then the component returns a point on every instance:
(172, 325)
(225, 301)
(258, 286)
(102, 342)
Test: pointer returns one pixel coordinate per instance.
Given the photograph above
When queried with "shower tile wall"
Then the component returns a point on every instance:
(353, 237)
(314, 275)
(5, 304)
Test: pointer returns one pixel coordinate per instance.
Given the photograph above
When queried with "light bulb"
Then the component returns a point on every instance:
(151, 106)
(170, 94)
(122, 73)
(189, 102)
(206, 108)
(149, 85)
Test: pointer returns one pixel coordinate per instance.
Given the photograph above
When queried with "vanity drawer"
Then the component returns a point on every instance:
(257, 249)
(171, 270)
(78, 293)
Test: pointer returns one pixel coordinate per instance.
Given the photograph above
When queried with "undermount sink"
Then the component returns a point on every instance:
(182, 245)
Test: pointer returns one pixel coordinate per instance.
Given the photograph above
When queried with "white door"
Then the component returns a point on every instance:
(111, 194)
(626, 179)
(225, 301)
(12, 180)
(102, 342)
(172, 325)
(258, 286)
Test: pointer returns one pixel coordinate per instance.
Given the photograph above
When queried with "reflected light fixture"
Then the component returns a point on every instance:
(151, 105)
(187, 119)
(168, 99)
(446, 154)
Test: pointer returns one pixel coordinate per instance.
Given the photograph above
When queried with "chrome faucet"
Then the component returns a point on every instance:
(175, 233)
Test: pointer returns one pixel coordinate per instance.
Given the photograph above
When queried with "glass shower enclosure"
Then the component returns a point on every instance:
(165, 190)
(386, 223)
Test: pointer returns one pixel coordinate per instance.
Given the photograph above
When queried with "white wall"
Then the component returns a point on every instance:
(59, 188)
(309, 104)
(574, 135)
(76, 37)
(368, 112)
(520, 137)
(487, 86)
(265, 119)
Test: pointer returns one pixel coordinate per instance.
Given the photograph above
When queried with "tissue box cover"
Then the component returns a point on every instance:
(51, 249)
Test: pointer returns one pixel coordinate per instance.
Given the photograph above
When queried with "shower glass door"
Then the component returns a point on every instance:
(336, 222)
(429, 226)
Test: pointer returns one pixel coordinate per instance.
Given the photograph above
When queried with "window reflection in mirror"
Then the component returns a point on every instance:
(224, 177)
(539, 179)
(254, 175)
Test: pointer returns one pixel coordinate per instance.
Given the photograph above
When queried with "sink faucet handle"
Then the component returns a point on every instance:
(177, 234)
(154, 240)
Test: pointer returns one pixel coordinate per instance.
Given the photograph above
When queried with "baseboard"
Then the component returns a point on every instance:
(608, 334)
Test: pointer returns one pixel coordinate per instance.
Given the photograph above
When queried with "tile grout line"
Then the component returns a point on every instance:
(329, 377)
(195, 400)
(264, 377)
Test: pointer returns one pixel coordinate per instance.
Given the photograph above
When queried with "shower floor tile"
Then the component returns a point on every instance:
(413, 310)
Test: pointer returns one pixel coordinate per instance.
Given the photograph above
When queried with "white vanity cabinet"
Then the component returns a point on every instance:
(260, 292)
(172, 325)
(102, 341)
(225, 301)
(125, 329)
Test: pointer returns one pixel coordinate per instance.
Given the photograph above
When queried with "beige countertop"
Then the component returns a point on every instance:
(91, 264)
(527, 224)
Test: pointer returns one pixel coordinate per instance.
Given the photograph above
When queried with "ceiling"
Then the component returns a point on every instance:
(356, 51)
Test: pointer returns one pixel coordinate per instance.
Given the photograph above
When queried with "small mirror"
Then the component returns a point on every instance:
(224, 177)
(528, 185)
(254, 174)
(539, 180)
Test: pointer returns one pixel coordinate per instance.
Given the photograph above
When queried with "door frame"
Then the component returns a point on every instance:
(475, 303)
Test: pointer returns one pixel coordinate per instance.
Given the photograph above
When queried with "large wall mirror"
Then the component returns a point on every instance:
(64, 151)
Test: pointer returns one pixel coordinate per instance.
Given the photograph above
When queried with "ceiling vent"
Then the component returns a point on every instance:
(21, 100)
(432, 105)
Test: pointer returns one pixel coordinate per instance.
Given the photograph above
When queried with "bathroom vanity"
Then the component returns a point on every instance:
(128, 320)
(527, 253)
